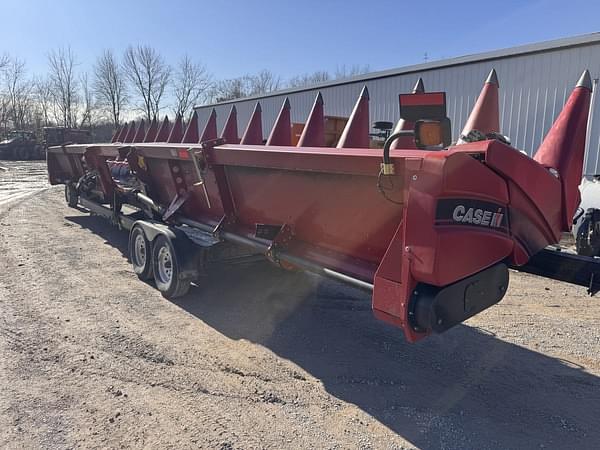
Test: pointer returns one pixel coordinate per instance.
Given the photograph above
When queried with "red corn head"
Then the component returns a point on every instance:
(210, 129)
(191, 132)
(163, 132)
(152, 130)
(356, 131)
(313, 134)
(281, 133)
(407, 142)
(230, 130)
(563, 147)
(485, 115)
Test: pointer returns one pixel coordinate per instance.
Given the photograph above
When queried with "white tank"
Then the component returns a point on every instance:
(590, 198)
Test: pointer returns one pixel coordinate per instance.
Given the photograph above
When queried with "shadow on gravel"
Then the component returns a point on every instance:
(112, 236)
(462, 389)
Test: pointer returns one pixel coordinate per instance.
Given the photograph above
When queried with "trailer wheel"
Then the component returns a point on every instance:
(71, 195)
(167, 273)
(140, 253)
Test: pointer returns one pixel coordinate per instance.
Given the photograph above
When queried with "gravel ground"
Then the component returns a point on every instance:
(257, 358)
(19, 179)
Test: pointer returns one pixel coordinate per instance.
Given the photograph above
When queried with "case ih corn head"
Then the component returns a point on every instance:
(429, 227)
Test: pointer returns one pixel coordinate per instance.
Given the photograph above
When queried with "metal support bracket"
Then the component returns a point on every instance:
(280, 241)
(225, 220)
(592, 288)
(176, 203)
(198, 170)
(116, 209)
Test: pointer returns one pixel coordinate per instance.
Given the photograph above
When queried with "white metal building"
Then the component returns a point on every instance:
(535, 81)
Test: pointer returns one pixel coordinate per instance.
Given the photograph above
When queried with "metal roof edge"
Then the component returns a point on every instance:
(537, 47)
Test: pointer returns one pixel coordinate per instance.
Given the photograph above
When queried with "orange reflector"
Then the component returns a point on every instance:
(433, 134)
(184, 154)
(430, 133)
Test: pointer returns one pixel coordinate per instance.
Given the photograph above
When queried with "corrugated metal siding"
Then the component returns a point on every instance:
(533, 89)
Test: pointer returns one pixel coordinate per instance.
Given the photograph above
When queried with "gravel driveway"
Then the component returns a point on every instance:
(257, 358)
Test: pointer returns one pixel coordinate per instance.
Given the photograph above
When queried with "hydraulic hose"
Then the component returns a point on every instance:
(387, 167)
(282, 255)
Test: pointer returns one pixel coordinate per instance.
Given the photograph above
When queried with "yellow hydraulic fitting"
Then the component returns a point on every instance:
(387, 169)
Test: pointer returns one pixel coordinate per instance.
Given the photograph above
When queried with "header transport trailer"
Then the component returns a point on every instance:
(428, 227)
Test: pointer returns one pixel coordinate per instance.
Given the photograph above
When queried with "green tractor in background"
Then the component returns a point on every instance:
(21, 145)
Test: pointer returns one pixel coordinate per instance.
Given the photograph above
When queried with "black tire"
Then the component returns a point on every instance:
(140, 253)
(167, 273)
(71, 195)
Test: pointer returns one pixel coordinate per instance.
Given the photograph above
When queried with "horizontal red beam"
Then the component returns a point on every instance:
(426, 99)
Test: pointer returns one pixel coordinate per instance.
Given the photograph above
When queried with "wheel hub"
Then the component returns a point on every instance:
(165, 265)
(140, 250)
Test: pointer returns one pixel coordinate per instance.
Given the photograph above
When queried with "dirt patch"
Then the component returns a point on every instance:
(258, 358)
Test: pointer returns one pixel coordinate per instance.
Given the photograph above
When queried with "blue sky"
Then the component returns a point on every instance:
(236, 37)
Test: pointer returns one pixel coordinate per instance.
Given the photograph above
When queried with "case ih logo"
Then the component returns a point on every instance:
(471, 212)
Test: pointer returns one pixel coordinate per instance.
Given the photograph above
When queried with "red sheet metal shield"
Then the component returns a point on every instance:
(485, 115)
(230, 129)
(563, 147)
(191, 132)
(253, 133)
(130, 133)
(313, 134)
(210, 129)
(115, 135)
(164, 130)
(177, 131)
(122, 133)
(356, 131)
(281, 133)
(141, 132)
(152, 131)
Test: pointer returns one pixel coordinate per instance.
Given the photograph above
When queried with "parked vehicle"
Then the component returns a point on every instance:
(60, 135)
(21, 145)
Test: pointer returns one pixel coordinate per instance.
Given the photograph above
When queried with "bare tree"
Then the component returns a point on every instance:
(44, 98)
(110, 85)
(342, 71)
(64, 85)
(4, 61)
(149, 75)
(263, 82)
(191, 82)
(19, 91)
(321, 76)
(230, 89)
(309, 79)
(4, 112)
(87, 108)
